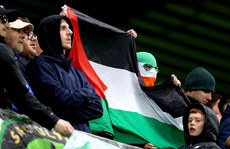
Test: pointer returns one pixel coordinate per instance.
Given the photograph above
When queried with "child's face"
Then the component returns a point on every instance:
(196, 124)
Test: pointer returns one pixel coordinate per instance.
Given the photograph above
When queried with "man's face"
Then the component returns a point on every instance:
(4, 26)
(196, 123)
(29, 46)
(15, 39)
(202, 96)
(65, 33)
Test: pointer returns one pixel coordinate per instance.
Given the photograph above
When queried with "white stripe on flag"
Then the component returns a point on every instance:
(124, 93)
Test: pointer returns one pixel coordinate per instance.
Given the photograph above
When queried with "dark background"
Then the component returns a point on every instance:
(181, 34)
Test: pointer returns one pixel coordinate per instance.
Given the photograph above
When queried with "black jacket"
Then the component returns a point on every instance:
(13, 90)
(208, 137)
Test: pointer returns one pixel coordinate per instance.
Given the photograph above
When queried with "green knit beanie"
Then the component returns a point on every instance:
(200, 79)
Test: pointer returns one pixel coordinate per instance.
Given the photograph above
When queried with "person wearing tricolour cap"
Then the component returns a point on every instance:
(199, 85)
(147, 67)
(148, 70)
(12, 82)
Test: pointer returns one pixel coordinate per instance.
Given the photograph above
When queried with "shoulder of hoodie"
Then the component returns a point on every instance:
(201, 145)
(40, 60)
(43, 58)
(205, 145)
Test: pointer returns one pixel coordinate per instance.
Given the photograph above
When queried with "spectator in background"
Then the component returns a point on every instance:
(29, 49)
(38, 48)
(55, 82)
(12, 85)
(214, 104)
(223, 103)
(224, 106)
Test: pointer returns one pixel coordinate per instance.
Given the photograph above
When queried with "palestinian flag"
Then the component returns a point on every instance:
(107, 56)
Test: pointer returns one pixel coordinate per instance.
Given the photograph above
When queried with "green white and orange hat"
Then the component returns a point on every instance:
(147, 67)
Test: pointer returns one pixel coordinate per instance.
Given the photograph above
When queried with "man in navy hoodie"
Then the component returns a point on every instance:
(55, 82)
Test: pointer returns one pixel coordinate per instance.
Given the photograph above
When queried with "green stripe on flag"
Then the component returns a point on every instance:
(102, 124)
(143, 129)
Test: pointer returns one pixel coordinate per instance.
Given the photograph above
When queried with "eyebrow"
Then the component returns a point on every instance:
(65, 25)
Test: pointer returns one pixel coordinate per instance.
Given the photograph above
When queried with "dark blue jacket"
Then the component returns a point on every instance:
(224, 131)
(57, 84)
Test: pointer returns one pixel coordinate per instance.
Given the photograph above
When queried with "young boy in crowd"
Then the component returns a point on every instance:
(201, 127)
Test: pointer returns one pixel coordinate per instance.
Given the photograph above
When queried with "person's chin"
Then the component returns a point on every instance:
(19, 51)
(204, 102)
(67, 47)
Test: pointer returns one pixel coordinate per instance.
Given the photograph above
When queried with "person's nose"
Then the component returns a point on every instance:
(192, 122)
(69, 32)
(209, 96)
(34, 38)
(22, 35)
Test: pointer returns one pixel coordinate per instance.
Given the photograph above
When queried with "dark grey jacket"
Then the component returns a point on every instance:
(13, 90)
